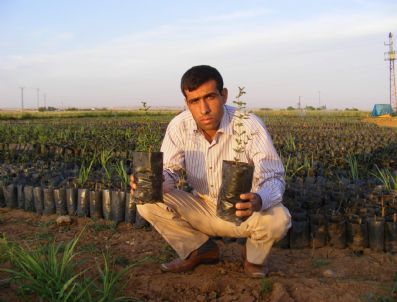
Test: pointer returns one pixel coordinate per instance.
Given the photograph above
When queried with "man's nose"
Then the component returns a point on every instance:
(204, 108)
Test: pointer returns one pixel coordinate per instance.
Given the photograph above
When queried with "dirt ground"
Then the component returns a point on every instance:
(382, 121)
(296, 275)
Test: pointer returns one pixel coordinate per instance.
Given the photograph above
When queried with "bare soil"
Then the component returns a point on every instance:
(382, 121)
(296, 275)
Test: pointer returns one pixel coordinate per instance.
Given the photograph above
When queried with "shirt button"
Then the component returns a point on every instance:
(212, 186)
(210, 168)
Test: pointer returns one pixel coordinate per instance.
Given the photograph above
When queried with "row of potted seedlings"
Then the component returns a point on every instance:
(67, 195)
(340, 231)
(362, 220)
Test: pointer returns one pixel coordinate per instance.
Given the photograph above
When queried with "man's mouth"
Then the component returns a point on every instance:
(206, 120)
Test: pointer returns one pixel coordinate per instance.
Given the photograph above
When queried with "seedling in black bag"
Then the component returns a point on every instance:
(148, 161)
(236, 175)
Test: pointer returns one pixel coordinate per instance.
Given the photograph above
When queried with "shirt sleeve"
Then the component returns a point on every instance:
(269, 181)
(173, 157)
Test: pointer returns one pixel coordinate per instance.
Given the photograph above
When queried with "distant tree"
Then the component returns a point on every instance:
(290, 108)
(266, 109)
(310, 108)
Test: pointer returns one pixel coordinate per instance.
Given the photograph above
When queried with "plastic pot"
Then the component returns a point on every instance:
(148, 174)
(96, 204)
(49, 202)
(106, 204)
(318, 230)
(60, 201)
(38, 200)
(284, 242)
(391, 236)
(10, 196)
(337, 231)
(83, 203)
(236, 180)
(2, 200)
(356, 233)
(376, 233)
(71, 200)
(130, 208)
(299, 236)
(140, 222)
(20, 197)
(29, 199)
(117, 206)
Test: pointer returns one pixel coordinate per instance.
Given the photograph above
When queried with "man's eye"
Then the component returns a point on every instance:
(210, 97)
(192, 102)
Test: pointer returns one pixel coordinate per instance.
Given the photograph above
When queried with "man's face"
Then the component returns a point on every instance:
(206, 105)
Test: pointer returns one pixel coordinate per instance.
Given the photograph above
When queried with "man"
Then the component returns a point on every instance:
(196, 142)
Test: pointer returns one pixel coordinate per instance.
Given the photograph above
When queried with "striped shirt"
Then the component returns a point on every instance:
(186, 149)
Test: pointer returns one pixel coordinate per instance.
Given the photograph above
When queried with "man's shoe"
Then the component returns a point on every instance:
(256, 270)
(205, 254)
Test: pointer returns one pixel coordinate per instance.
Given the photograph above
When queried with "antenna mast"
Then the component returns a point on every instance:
(391, 57)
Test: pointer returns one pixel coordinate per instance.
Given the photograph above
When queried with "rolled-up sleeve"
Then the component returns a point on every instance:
(268, 181)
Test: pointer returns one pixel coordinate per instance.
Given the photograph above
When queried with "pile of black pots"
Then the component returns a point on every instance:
(343, 216)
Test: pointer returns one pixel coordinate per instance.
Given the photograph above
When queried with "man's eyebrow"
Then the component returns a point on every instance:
(202, 97)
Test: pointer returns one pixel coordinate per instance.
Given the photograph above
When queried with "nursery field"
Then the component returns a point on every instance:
(341, 175)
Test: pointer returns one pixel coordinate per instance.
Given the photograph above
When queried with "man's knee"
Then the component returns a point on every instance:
(145, 210)
(274, 223)
(280, 223)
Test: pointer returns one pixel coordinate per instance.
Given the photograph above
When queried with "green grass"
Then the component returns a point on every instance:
(99, 226)
(136, 114)
(320, 262)
(52, 273)
(266, 286)
(91, 248)
(48, 272)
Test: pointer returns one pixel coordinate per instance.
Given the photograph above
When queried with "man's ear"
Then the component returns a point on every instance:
(224, 95)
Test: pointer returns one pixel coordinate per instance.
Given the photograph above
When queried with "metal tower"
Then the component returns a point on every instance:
(391, 57)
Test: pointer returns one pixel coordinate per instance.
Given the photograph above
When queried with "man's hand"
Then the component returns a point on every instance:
(252, 203)
(133, 184)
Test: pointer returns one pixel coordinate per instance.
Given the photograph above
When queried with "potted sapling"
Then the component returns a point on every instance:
(148, 161)
(104, 158)
(236, 175)
(118, 196)
(83, 191)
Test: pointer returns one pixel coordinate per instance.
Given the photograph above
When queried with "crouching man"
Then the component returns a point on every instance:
(196, 142)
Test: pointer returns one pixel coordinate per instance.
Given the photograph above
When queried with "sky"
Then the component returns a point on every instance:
(119, 53)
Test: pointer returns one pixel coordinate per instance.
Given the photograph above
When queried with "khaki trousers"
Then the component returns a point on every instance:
(186, 222)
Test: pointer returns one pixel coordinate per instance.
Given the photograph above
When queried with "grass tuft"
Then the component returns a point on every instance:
(266, 286)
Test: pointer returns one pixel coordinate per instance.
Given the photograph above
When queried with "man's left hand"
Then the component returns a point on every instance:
(252, 202)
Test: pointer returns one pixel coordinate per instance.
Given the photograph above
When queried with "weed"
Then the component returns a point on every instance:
(122, 261)
(110, 284)
(97, 226)
(91, 248)
(266, 286)
(320, 263)
(44, 235)
(353, 166)
(47, 272)
(394, 288)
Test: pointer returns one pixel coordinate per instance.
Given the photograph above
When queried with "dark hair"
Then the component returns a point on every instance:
(198, 75)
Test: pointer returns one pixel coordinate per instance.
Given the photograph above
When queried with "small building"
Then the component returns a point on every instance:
(381, 109)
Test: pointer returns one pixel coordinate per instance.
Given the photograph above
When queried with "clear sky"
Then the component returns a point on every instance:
(118, 53)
